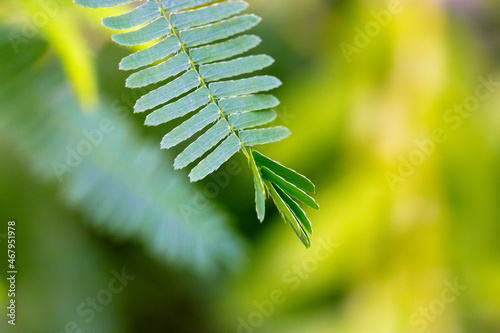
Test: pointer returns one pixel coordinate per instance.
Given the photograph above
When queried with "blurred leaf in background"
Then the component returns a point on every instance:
(415, 251)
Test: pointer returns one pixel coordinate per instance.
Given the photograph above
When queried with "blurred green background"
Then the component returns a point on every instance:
(394, 110)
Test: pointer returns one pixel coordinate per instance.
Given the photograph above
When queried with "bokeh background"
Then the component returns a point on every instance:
(395, 125)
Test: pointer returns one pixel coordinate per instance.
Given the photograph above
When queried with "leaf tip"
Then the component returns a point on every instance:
(177, 164)
(193, 178)
(105, 22)
(245, 4)
(122, 65)
(269, 59)
(138, 108)
(166, 144)
(129, 84)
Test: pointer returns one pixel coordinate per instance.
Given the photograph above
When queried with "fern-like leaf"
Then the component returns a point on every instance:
(194, 40)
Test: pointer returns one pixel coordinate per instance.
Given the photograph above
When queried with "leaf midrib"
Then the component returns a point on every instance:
(195, 67)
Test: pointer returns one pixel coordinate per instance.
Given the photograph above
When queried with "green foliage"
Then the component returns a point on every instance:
(128, 198)
(184, 59)
(282, 184)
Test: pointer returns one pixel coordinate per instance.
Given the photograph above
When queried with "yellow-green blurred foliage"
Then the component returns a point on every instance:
(407, 239)
(398, 243)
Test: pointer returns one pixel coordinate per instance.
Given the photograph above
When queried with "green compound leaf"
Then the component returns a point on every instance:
(241, 121)
(206, 15)
(297, 211)
(248, 103)
(260, 201)
(218, 157)
(223, 70)
(287, 174)
(156, 29)
(101, 3)
(203, 144)
(191, 126)
(175, 5)
(160, 50)
(244, 86)
(144, 13)
(218, 31)
(179, 108)
(288, 188)
(288, 215)
(163, 71)
(171, 90)
(225, 50)
(264, 136)
(196, 47)
(260, 190)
